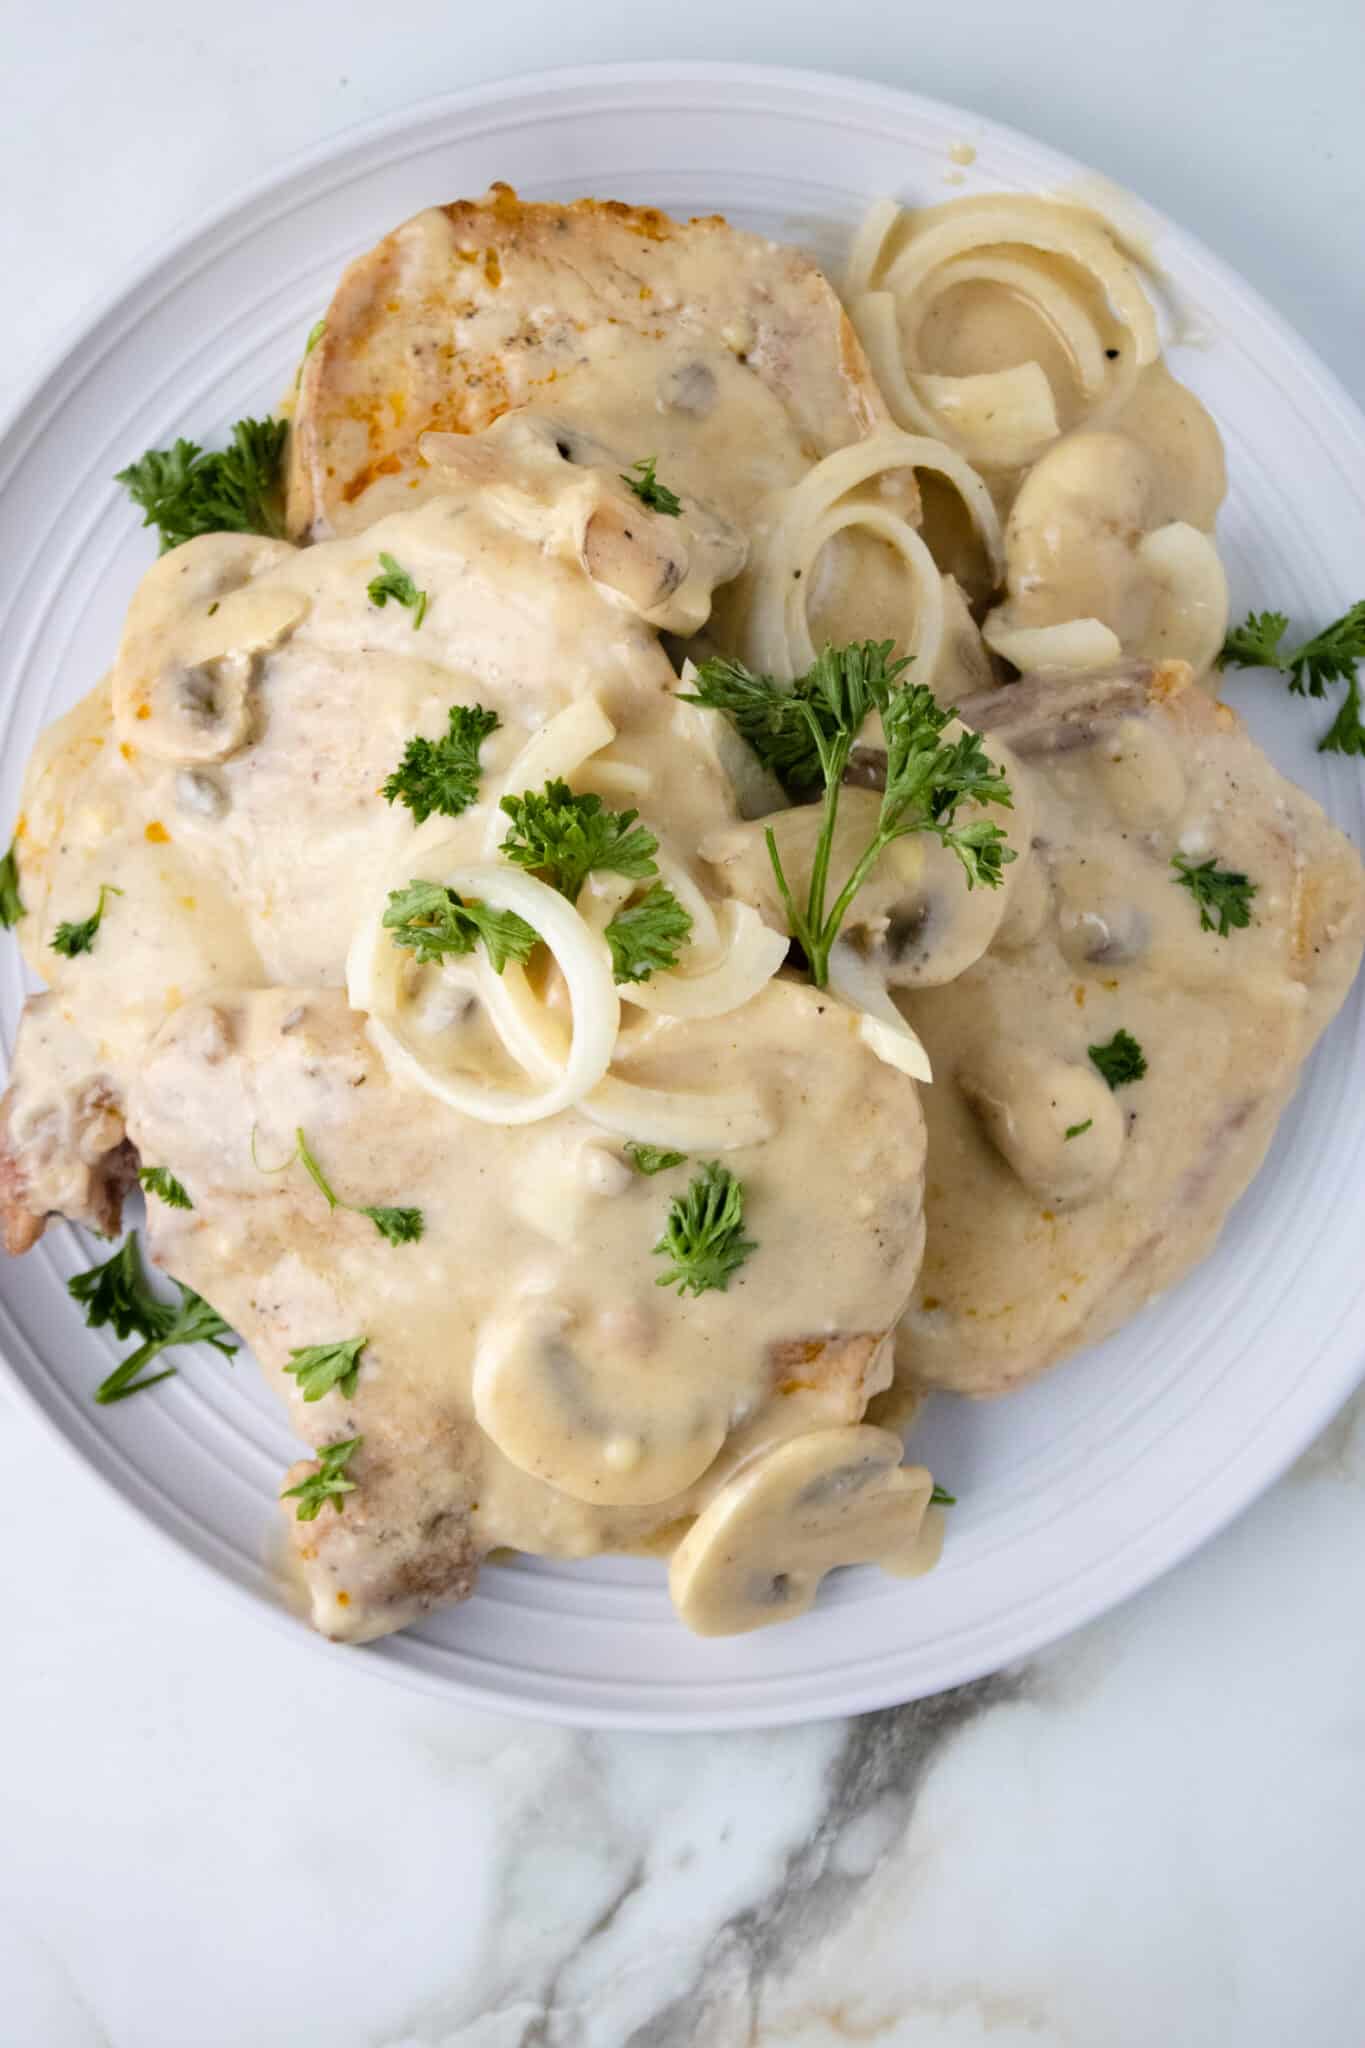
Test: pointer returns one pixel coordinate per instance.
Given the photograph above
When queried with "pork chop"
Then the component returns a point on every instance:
(1058, 1204)
(225, 786)
(524, 1381)
(726, 357)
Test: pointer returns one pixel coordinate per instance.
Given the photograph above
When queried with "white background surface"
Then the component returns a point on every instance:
(206, 1837)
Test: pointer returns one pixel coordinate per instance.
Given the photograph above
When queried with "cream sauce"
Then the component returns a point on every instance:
(1040, 1241)
(228, 784)
(485, 377)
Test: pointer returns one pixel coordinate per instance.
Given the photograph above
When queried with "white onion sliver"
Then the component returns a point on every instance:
(686, 1122)
(1189, 619)
(752, 953)
(583, 959)
(868, 244)
(880, 1024)
(561, 746)
(1074, 643)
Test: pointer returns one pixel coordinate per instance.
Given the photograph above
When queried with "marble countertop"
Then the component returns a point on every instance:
(1149, 1834)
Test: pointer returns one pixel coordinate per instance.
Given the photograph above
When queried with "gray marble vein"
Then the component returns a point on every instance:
(873, 1787)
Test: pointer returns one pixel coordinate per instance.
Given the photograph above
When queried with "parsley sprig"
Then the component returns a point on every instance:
(160, 1181)
(11, 902)
(1120, 1061)
(565, 837)
(328, 1483)
(927, 778)
(71, 939)
(116, 1293)
(443, 774)
(649, 490)
(703, 1238)
(1223, 895)
(184, 491)
(394, 582)
(647, 934)
(433, 921)
(317, 1368)
(399, 1226)
(1328, 657)
(652, 1159)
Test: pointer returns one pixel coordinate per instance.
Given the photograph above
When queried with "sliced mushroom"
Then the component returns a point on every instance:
(556, 484)
(574, 1406)
(1045, 715)
(1054, 1122)
(914, 919)
(758, 1551)
(1141, 774)
(197, 627)
(1095, 568)
(1114, 936)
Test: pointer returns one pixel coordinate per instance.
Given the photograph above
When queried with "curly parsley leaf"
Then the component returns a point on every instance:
(317, 1368)
(11, 902)
(1328, 657)
(647, 934)
(433, 921)
(399, 1226)
(117, 1293)
(191, 1321)
(651, 1159)
(443, 775)
(941, 1498)
(927, 778)
(1120, 1061)
(1223, 895)
(1346, 733)
(328, 1483)
(703, 1238)
(649, 490)
(71, 939)
(564, 838)
(160, 1181)
(926, 781)
(1256, 642)
(184, 491)
(774, 721)
(395, 582)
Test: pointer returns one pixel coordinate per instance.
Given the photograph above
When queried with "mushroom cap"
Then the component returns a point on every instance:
(1028, 1100)
(571, 493)
(588, 1426)
(760, 1548)
(198, 621)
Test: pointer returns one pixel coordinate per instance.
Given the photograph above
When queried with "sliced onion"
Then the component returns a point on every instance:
(993, 224)
(561, 747)
(374, 972)
(881, 1026)
(1075, 643)
(776, 585)
(869, 243)
(903, 263)
(1189, 618)
(751, 953)
(682, 1120)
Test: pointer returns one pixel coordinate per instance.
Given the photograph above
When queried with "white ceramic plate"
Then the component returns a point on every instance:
(1073, 1493)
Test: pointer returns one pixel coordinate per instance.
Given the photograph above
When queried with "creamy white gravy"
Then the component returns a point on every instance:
(485, 376)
